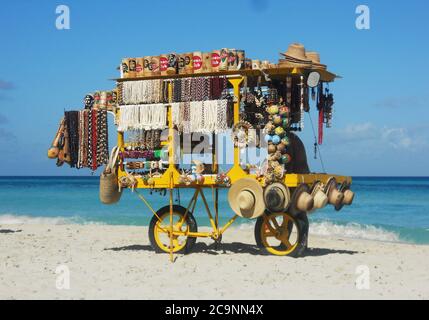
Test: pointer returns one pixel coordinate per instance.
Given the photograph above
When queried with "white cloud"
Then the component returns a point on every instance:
(368, 136)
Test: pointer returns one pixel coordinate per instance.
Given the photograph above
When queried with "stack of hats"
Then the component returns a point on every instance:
(315, 60)
(297, 57)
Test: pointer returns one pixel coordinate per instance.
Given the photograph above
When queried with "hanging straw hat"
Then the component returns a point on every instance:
(320, 198)
(315, 60)
(335, 197)
(277, 197)
(302, 199)
(246, 198)
(348, 196)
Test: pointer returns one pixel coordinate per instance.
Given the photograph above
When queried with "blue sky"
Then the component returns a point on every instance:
(381, 115)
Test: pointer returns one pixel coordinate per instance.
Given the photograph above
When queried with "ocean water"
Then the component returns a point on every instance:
(385, 209)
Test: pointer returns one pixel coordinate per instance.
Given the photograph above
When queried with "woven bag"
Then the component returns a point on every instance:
(109, 189)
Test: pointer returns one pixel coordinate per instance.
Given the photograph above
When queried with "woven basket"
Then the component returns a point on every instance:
(109, 189)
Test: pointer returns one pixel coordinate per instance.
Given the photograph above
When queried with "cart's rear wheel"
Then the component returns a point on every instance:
(281, 234)
(159, 234)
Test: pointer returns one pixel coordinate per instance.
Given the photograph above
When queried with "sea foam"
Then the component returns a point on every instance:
(349, 230)
(353, 230)
(10, 219)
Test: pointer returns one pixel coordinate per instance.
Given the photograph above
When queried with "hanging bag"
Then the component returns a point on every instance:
(109, 189)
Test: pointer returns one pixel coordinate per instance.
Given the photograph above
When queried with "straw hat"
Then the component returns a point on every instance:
(277, 197)
(302, 199)
(315, 60)
(320, 198)
(246, 198)
(295, 57)
(348, 196)
(296, 51)
(335, 197)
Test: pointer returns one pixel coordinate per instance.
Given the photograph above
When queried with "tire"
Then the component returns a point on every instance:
(300, 222)
(164, 213)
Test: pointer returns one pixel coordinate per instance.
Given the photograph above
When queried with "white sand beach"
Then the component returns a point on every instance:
(117, 262)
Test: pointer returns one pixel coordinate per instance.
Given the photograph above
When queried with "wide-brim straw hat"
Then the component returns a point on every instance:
(246, 198)
(295, 57)
(335, 196)
(277, 197)
(315, 60)
(301, 199)
(348, 196)
(296, 51)
(320, 198)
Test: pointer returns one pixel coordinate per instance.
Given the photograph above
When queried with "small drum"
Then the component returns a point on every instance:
(163, 64)
(215, 61)
(197, 61)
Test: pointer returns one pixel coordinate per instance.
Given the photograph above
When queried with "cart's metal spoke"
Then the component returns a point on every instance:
(275, 222)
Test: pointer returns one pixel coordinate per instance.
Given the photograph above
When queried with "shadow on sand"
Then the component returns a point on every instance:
(236, 247)
(9, 231)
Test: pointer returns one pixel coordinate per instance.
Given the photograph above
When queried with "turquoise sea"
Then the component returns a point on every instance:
(385, 209)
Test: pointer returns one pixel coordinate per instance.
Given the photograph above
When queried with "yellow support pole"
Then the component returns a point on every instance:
(171, 217)
(236, 171)
(236, 87)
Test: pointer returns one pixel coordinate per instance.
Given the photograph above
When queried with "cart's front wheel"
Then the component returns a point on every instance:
(159, 230)
(281, 234)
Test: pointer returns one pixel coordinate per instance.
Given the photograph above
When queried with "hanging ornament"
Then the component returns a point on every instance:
(271, 149)
(285, 159)
(276, 139)
(277, 120)
(273, 110)
(285, 141)
(281, 147)
(301, 107)
(279, 131)
(243, 134)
